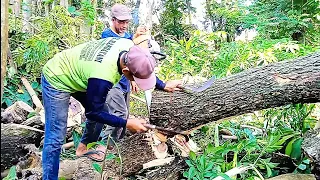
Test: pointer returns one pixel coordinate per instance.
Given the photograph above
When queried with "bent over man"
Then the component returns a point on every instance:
(87, 72)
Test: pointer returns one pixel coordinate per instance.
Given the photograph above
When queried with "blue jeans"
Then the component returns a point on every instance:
(56, 104)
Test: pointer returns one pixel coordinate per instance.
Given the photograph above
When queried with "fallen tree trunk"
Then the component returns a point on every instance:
(135, 151)
(14, 138)
(274, 85)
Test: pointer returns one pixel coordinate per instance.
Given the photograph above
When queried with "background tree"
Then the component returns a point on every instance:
(4, 40)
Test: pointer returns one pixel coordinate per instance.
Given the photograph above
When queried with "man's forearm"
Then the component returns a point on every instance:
(96, 97)
(160, 84)
(106, 118)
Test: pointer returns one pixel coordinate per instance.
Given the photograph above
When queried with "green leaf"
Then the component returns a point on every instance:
(189, 163)
(118, 160)
(97, 167)
(210, 148)
(204, 129)
(8, 102)
(77, 13)
(71, 9)
(83, 124)
(225, 176)
(210, 166)
(191, 172)
(272, 165)
(306, 161)
(302, 166)
(193, 156)
(284, 139)
(90, 145)
(102, 143)
(296, 149)
(76, 138)
(34, 85)
(31, 114)
(208, 174)
(62, 178)
(12, 175)
(202, 162)
(269, 171)
(110, 156)
(289, 147)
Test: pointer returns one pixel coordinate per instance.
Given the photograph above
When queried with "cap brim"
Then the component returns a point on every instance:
(146, 84)
(122, 18)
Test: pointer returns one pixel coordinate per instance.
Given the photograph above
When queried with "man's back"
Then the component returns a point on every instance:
(70, 69)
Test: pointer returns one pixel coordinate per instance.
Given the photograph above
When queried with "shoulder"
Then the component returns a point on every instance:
(108, 33)
(123, 42)
(128, 36)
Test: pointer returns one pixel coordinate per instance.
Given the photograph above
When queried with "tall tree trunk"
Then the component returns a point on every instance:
(46, 9)
(26, 13)
(64, 3)
(93, 28)
(274, 85)
(4, 40)
(17, 7)
(189, 11)
(145, 13)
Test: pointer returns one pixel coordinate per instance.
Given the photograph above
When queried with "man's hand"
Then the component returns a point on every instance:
(134, 87)
(136, 125)
(141, 30)
(173, 85)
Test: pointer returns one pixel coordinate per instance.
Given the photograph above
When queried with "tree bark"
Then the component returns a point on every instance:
(17, 7)
(64, 3)
(16, 113)
(4, 40)
(311, 148)
(274, 85)
(145, 13)
(14, 137)
(26, 15)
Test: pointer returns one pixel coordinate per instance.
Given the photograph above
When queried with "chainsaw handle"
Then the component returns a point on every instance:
(149, 126)
(162, 55)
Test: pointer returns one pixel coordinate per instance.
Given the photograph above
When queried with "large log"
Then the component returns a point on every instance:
(16, 113)
(14, 138)
(274, 85)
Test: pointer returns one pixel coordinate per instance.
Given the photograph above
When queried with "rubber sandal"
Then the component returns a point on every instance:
(87, 154)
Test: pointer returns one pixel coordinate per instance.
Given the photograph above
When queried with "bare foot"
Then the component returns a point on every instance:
(82, 148)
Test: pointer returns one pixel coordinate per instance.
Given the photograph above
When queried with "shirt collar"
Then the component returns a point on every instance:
(118, 62)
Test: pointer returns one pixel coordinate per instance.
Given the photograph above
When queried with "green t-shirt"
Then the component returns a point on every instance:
(70, 69)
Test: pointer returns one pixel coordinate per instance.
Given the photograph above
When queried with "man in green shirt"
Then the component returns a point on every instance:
(87, 72)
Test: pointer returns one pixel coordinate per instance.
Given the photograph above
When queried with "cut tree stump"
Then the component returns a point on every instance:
(16, 113)
(172, 171)
(274, 85)
(135, 151)
(14, 137)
